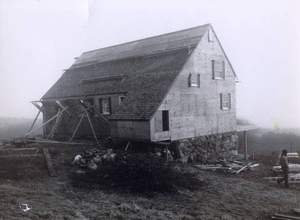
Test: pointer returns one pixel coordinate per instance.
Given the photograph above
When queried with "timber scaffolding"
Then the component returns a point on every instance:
(64, 110)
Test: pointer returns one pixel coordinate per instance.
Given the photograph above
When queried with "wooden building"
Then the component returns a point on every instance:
(165, 88)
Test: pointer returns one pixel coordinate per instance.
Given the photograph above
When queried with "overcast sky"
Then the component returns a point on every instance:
(40, 38)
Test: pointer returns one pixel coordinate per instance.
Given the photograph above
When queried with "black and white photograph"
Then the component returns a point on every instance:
(156, 109)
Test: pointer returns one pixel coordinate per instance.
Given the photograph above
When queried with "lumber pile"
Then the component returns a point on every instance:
(230, 167)
(293, 168)
(294, 176)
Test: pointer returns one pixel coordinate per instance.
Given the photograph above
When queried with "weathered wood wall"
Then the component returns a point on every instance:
(195, 111)
(132, 130)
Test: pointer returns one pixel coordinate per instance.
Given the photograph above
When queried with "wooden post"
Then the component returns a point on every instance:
(55, 125)
(245, 144)
(77, 126)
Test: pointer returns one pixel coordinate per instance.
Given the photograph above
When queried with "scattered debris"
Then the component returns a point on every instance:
(293, 168)
(25, 207)
(232, 167)
(91, 159)
(293, 178)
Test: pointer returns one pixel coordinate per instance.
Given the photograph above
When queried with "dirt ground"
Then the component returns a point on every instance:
(25, 180)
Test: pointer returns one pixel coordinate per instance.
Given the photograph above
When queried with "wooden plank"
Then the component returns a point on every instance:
(77, 126)
(18, 149)
(21, 155)
(86, 112)
(34, 120)
(62, 106)
(55, 125)
(56, 142)
(38, 107)
(47, 157)
(243, 168)
(286, 216)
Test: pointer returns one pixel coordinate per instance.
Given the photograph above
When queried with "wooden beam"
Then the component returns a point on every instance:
(38, 107)
(34, 120)
(47, 157)
(56, 142)
(56, 124)
(243, 168)
(44, 123)
(21, 155)
(62, 106)
(77, 126)
(286, 216)
(96, 110)
(87, 114)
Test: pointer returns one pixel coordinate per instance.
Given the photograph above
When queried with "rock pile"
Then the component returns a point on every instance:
(93, 158)
(206, 149)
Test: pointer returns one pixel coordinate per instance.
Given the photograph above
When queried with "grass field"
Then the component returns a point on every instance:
(221, 195)
(25, 180)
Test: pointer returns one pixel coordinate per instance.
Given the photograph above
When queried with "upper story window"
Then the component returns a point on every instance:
(218, 69)
(225, 101)
(105, 106)
(194, 80)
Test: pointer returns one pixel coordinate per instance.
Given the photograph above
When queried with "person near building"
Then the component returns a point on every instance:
(285, 168)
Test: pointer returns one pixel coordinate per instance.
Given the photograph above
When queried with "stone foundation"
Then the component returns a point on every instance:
(205, 149)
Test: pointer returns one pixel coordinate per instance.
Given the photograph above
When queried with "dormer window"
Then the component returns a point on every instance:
(218, 69)
(194, 80)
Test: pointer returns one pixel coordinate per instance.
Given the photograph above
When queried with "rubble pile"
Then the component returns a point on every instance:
(94, 157)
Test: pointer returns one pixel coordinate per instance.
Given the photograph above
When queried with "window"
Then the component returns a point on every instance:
(121, 98)
(105, 106)
(225, 101)
(194, 80)
(218, 69)
(165, 120)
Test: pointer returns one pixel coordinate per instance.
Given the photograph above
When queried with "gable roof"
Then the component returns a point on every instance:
(147, 46)
(144, 70)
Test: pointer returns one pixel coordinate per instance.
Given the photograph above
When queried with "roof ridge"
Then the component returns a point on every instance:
(124, 58)
(170, 33)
